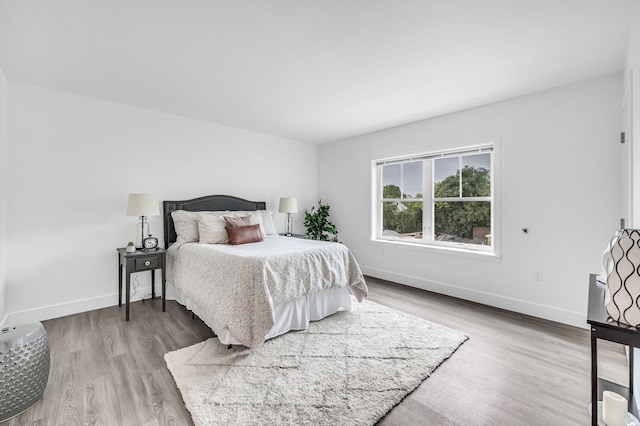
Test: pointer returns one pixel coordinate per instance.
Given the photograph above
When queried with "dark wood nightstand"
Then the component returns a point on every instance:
(303, 236)
(140, 261)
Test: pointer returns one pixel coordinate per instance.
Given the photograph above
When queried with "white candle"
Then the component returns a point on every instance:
(614, 409)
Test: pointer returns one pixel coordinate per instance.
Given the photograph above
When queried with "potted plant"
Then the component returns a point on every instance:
(131, 247)
(318, 225)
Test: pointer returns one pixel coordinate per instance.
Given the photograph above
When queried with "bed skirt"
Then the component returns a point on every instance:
(292, 315)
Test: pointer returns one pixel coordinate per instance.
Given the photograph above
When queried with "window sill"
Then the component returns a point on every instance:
(440, 250)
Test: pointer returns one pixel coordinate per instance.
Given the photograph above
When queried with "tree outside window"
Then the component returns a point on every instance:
(457, 208)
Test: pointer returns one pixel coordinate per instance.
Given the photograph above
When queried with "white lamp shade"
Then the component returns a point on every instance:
(143, 205)
(288, 205)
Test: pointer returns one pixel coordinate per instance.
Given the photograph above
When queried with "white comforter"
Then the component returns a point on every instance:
(236, 287)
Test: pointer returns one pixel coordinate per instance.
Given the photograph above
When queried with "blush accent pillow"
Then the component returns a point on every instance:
(244, 234)
(238, 220)
(254, 217)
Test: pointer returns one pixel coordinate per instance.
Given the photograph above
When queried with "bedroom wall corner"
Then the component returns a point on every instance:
(3, 195)
(558, 149)
(632, 88)
(75, 159)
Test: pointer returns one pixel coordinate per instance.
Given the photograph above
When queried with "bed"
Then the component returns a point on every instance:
(249, 293)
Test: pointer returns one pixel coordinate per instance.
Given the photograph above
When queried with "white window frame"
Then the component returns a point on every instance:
(489, 145)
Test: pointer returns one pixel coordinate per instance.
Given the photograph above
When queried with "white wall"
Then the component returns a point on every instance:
(73, 160)
(559, 178)
(632, 85)
(3, 194)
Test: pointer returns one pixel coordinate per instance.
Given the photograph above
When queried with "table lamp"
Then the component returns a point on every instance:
(288, 205)
(143, 206)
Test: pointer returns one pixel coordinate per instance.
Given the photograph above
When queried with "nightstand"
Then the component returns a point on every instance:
(302, 236)
(140, 261)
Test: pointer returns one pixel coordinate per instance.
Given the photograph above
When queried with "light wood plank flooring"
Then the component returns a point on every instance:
(514, 369)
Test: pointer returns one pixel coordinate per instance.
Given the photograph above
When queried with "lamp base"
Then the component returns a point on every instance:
(288, 225)
(142, 231)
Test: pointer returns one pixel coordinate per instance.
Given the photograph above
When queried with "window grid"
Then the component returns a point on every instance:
(428, 230)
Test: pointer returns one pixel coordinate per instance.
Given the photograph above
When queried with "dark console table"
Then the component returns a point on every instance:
(603, 327)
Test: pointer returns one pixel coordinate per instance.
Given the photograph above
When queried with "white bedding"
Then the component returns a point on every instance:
(234, 289)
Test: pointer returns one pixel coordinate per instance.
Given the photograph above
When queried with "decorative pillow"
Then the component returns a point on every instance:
(267, 223)
(244, 234)
(238, 221)
(256, 219)
(265, 216)
(186, 226)
(211, 229)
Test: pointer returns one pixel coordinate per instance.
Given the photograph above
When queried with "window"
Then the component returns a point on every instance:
(443, 199)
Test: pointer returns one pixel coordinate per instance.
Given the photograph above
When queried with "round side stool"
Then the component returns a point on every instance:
(24, 367)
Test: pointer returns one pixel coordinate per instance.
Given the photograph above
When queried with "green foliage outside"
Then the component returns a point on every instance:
(391, 191)
(476, 182)
(318, 225)
(451, 218)
(403, 218)
(457, 218)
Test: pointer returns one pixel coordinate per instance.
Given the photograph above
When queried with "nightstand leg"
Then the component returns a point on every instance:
(153, 284)
(164, 288)
(119, 281)
(128, 295)
(594, 379)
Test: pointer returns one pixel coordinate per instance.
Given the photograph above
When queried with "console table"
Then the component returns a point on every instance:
(603, 327)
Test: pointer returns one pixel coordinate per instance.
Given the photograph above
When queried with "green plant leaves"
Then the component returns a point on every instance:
(318, 225)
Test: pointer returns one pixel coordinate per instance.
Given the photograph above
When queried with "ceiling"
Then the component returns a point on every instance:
(313, 71)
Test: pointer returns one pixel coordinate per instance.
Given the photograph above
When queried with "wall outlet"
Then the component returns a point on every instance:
(537, 276)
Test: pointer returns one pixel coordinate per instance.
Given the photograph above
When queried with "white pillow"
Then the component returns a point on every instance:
(211, 229)
(266, 219)
(267, 222)
(186, 224)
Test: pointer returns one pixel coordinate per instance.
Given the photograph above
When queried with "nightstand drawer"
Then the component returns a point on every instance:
(147, 263)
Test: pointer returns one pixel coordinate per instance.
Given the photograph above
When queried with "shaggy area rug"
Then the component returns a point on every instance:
(350, 369)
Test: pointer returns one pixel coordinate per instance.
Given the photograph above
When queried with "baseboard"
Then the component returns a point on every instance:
(69, 308)
(551, 313)
(577, 319)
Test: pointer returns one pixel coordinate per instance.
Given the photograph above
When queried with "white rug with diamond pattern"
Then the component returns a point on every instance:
(349, 369)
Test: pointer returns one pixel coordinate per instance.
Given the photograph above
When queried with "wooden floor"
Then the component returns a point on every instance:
(514, 369)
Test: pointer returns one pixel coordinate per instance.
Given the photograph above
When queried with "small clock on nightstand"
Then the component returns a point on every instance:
(149, 244)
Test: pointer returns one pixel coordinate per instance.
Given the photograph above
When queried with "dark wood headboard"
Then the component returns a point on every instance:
(208, 203)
